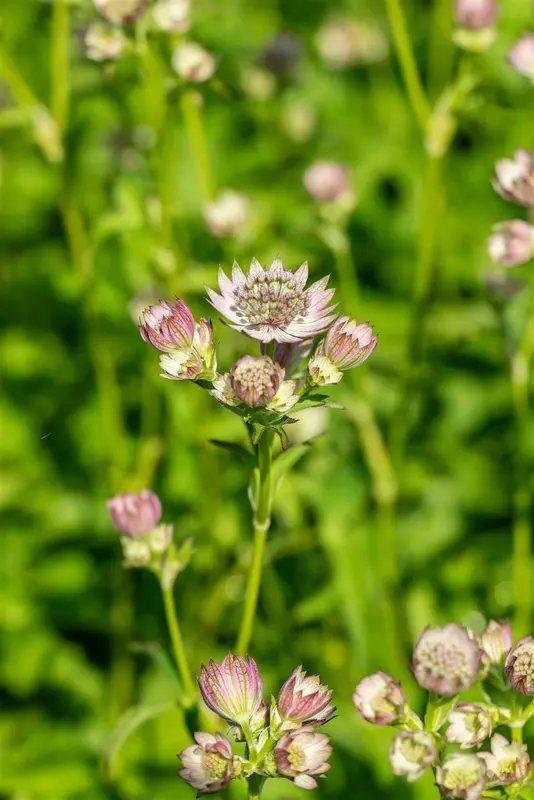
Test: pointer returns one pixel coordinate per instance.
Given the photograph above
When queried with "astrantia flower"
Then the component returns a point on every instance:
(255, 380)
(167, 325)
(233, 689)
(327, 181)
(446, 660)
(195, 362)
(273, 305)
(193, 63)
(103, 42)
(462, 775)
(172, 15)
(521, 56)
(411, 753)
(228, 214)
(348, 344)
(301, 754)
(302, 699)
(133, 514)
(321, 370)
(475, 14)
(207, 765)
(519, 666)
(512, 243)
(515, 177)
(508, 762)
(497, 640)
(470, 724)
(120, 12)
(379, 699)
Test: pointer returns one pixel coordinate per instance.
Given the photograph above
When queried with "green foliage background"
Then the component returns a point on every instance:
(85, 414)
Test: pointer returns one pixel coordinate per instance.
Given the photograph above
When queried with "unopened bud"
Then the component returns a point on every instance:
(193, 63)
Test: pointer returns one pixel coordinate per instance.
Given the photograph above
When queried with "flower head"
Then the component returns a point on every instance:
(470, 724)
(446, 660)
(347, 343)
(303, 699)
(167, 325)
(195, 362)
(193, 63)
(207, 765)
(344, 42)
(411, 753)
(515, 178)
(273, 305)
(233, 689)
(255, 380)
(462, 775)
(172, 15)
(327, 181)
(521, 56)
(475, 14)
(512, 243)
(497, 640)
(519, 666)
(301, 754)
(133, 514)
(379, 699)
(136, 552)
(321, 370)
(120, 12)
(508, 762)
(227, 215)
(103, 43)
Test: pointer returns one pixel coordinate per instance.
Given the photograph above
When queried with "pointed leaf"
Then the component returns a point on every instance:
(286, 461)
(237, 449)
(128, 723)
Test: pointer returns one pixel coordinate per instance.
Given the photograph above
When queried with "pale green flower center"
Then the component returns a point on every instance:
(462, 777)
(255, 376)
(215, 766)
(445, 661)
(524, 667)
(296, 757)
(413, 751)
(271, 301)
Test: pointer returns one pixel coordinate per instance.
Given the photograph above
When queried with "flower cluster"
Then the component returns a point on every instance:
(145, 542)
(475, 23)
(448, 661)
(274, 307)
(512, 242)
(281, 740)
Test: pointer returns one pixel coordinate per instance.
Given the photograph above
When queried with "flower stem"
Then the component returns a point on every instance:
(255, 786)
(517, 735)
(408, 65)
(261, 499)
(59, 63)
(199, 146)
(178, 646)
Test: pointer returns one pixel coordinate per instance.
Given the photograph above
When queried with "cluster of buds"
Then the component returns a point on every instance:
(281, 740)
(512, 242)
(448, 661)
(145, 542)
(273, 307)
(475, 23)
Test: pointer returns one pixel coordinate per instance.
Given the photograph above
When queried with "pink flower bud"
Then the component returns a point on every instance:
(512, 243)
(120, 12)
(322, 371)
(348, 344)
(508, 762)
(411, 753)
(301, 754)
(462, 775)
(233, 689)
(476, 14)
(379, 699)
(302, 699)
(519, 666)
(327, 181)
(193, 63)
(208, 765)
(471, 723)
(133, 514)
(227, 215)
(103, 43)
(515, 178)
(497, 640)
(521, 56)
(167, 325)
(172, 15)
(255, 380)
(446, 660)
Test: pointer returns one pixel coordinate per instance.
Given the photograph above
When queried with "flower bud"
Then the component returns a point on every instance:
(120, 12)
(344, 42)
(521, 56)
(322, 371)
(289, 356)
(515, 178)
(222, 390)
(255, 380)
(103, 43)
(136, 552)
(470, 724)
(159, 538)
(227, 215)
(133, 514)
(348, 344)
(302, 700)
(475, 14)
(379, 699)
(512, 243)
(172, 16)
(327, 181)
(233, 689)
(508, 762)
(208, 765)
(519, 666)
(497, 640)
(193, 63)
(462, 775)
(194, 363)
(285, 398)
(167, 325)
(301, 754)
(411, 753)
(446, 660)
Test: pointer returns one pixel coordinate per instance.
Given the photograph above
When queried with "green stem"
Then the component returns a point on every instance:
(59, 66)
(255, 786)
(262, 520)
(198, 144)
(517, 735)
(408, 65)
(178, 646)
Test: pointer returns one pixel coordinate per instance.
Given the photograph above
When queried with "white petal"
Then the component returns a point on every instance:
(256, 268)
(305, 782)
(222, 304)
(301, 276)
(238, 276)
(226, 286)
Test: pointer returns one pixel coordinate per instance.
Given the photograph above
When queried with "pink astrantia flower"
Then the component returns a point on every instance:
(515, 178)
(462, 775)
(326, 181)
(379, 699)
(120, 12)
(347, 344)
(511, 243)
(470, 724)
(519, 666)
(207, 765)
(135, 513)
(301, 754)
(497, 640)
(233, 689)
(508, 762)
(521, 56)
(167, 325)
(255, 380)
(411, 753)
(475, 14)
(302, 699)
(273, 305)
(446, 660)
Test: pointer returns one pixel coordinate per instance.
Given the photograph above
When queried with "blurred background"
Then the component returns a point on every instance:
(401, 514)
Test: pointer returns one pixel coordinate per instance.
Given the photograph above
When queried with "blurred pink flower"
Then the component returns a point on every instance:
(207, 765)
(135, 513)
(446, 660)
(233, 689)
(379, 699)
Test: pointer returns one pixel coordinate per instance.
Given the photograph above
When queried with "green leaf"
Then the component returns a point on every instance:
(130, 721)
(286, 461)
(237, 449)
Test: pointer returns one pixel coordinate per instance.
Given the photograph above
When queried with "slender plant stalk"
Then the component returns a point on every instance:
(517, 735)
(59, 63)
(178, 646)
(255, 786)
(262, 500)
(198, 144)
(408, 65)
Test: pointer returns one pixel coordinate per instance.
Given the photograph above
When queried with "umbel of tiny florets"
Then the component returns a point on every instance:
(515, 178)
(379, 699)
(446, 660)
(519, 666)
(303, 699)
(462, 775)
(301, 754)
